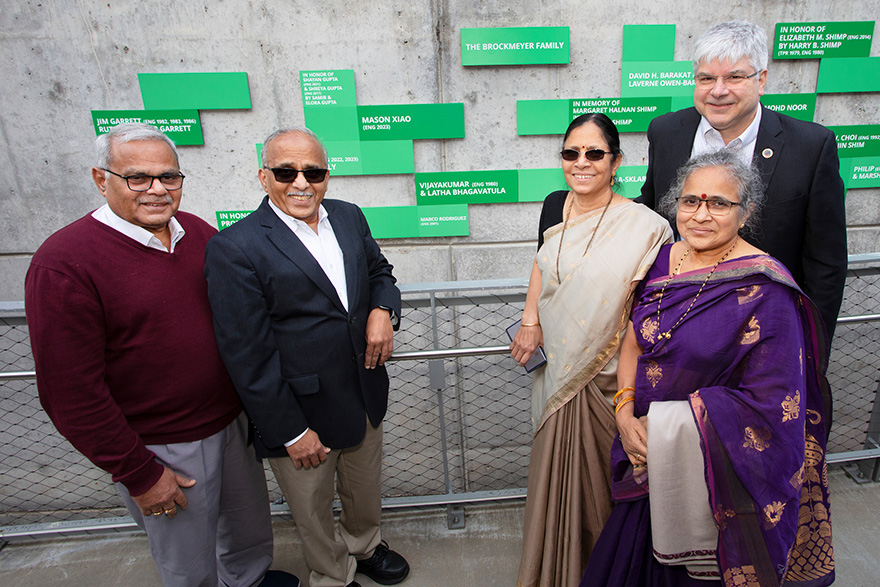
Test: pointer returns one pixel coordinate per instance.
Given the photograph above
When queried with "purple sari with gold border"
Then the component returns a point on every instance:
(750, 356)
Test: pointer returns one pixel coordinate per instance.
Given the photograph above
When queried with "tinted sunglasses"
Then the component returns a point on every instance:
(288, 174)
(591, 155)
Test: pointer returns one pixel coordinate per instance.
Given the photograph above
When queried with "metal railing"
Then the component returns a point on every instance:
(458, 429)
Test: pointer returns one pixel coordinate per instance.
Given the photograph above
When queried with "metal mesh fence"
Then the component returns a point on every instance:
(855, 361)
(461, 426)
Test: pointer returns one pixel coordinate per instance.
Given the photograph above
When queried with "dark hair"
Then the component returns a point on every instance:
(609, 131)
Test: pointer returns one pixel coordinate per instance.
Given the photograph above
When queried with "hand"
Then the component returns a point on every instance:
(633, 436)
(527, 339)
(380, 338)
(308, 452)
(165, 496)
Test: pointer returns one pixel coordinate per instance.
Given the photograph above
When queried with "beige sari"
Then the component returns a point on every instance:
(583, 312)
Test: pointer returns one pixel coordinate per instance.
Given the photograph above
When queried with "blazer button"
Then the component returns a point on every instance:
(354, 359)
(351, 320)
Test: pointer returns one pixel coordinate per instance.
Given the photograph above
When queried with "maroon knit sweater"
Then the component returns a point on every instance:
(124, 345)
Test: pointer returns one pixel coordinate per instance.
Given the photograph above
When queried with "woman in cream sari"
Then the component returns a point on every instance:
(593, 248)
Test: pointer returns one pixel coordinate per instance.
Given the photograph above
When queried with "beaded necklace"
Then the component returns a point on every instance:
(668, 334)
(565, 218)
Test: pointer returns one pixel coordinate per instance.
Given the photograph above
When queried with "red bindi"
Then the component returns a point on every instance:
(703, 196)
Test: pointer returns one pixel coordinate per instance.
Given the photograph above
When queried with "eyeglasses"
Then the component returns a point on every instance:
(734, 79)
(591, 155)
(142, 183)
(288, 174)
(716, 206)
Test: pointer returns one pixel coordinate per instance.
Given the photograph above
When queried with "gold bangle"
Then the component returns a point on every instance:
(535, 324)
(622, 391)
(623, 402)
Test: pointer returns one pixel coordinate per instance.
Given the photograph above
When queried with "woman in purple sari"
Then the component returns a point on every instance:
(719, 473)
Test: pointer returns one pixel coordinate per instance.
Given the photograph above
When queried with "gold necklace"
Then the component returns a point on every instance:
(565, 222)
(668, 334)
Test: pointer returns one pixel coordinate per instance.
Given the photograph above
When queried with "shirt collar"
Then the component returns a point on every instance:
(748, 136)
(296, 224)
(105, 215)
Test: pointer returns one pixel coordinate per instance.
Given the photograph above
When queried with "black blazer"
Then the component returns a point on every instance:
(295, 355)
(803, 223)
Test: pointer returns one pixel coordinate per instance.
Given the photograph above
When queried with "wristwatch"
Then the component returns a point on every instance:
(395, 319)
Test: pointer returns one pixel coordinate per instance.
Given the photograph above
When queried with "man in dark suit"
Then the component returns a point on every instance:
(304, 310)
(803, 222)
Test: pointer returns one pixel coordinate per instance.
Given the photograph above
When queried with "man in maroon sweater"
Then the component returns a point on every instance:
(128, 368)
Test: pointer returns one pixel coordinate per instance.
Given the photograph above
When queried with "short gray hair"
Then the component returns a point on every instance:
(749, 186)
(293, 129)
(125, 133)
(731, 41)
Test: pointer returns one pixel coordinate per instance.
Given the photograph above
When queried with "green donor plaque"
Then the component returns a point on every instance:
(515, 46)
(328, 87)
(860, 172)
(800, 106)
(815, 40)
(547, 117)
(418, 221)
(537, 184)
(182, 126)
(226, 218)
(411, 121)
(200, 91)
(627, 114)
(542, 117)
(648, 42)
(641, 79)
(466, 187)
(370, 157)
(853, 74)
(858, 140)
(330, 104)
(630, 179)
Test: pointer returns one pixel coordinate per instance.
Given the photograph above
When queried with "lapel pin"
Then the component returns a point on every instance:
(767, 153)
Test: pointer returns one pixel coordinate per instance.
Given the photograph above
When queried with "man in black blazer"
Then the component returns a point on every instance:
(304, 310)
(803, 221)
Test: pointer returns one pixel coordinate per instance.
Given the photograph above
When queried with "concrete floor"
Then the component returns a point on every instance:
(483, 554)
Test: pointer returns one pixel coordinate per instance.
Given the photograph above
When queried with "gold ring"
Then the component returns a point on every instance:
(169, 512)
(157, 513)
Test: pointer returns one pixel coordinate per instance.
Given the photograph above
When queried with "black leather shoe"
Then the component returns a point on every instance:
(385, 567)
(279, 579)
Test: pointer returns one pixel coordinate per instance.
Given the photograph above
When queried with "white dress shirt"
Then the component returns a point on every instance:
(105, 215)
(708, 140)
(322, 245)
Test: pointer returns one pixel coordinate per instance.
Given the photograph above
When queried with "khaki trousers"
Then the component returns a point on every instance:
(331, 551)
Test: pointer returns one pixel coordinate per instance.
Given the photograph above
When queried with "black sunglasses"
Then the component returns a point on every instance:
(288, 174)
(591, 155)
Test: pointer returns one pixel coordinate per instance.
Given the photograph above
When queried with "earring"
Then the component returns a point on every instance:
(612, 179)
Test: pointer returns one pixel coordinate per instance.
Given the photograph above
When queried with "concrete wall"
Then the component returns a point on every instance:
(63, 58)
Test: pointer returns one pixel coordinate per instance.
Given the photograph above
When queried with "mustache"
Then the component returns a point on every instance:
(166, 199)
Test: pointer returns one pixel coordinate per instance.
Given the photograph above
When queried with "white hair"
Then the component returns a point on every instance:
(293, 129)
(127, 132)
(731, 41)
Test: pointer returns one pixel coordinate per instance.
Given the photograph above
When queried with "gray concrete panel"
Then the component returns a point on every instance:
(66, 58)
(863, 240)
(13, 268)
